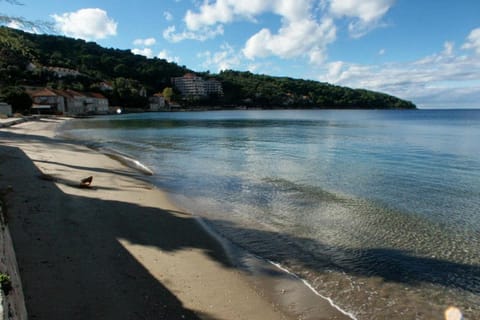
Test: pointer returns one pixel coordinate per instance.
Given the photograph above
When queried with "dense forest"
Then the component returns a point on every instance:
(27, 60)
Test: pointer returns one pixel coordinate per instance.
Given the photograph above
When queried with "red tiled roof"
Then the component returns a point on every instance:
(95, 95)
(43, 93)
(74, 93)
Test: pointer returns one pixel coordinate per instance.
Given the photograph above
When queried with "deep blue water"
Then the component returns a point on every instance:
(379, 210)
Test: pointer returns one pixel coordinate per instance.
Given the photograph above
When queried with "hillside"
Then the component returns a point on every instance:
(30, 60)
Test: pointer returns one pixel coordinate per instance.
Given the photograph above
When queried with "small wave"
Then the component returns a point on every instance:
(127, 160)
(306, 283)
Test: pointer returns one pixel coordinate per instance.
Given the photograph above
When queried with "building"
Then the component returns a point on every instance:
(5, 109)
(63, 72)
(191, 85)
(86, 103)
(105, 86)
(47, 101)
(213, 87)
(97, 103)
(157, 102)
(68, 102)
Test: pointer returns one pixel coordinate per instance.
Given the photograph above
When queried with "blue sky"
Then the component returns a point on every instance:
(424, 51)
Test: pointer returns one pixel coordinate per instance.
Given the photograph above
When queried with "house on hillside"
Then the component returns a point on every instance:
(157, 102)
(105, 86)
(191, 85)
(63, 72)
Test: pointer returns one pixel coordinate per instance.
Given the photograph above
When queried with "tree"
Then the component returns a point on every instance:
(18, 99)
(168, 94)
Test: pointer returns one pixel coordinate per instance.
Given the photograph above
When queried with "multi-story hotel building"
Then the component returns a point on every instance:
(193, 85)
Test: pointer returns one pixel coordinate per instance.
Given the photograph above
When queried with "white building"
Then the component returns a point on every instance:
(190, 85)
(194, 86)
(68, 102)
(213, 86)
(157, 102)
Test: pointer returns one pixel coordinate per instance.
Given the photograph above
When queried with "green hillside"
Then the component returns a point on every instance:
(29, 60)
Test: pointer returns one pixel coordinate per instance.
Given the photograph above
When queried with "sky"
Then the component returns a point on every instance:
(425, 51)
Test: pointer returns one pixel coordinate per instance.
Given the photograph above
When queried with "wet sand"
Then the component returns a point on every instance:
(118, 249)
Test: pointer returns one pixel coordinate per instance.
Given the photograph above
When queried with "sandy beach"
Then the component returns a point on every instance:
(119, 249)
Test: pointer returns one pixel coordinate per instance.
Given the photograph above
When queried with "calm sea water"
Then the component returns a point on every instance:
(378, 210)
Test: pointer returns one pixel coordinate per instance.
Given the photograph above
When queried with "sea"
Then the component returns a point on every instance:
(376, 210)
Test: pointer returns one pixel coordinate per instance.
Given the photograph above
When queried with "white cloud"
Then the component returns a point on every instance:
(16, 24)
(172, 35)
(442, 79)
(299, 35)
(168, 15)
(148, 42)
(147, 52)
(88, 24)
(296, 38)
(224, 11)
(366, 13)
(307, 26)
(473, 41)
(366, 10)
(226, 58)
(164, 54)
(448, 47)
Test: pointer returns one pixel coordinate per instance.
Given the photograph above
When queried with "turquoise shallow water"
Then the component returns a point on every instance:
(378, 210)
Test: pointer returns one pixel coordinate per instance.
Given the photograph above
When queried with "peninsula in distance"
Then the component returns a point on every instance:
(32, 61)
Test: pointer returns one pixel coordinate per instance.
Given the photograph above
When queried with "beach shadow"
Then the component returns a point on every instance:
(125, 173)
(390, 265)
(63, 144)
(71, 262)
(72, 183)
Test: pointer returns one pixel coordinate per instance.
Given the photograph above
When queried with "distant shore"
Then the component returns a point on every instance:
(118, 249)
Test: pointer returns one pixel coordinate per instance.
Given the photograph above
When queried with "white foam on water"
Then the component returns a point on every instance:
(128, 161)
(279, 266)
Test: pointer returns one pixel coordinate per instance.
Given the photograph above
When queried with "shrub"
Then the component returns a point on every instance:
(5, 283)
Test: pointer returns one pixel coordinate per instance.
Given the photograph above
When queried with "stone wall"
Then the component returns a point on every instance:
(12, 305)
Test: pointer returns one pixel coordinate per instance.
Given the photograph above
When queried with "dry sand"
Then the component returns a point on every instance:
(119, 249)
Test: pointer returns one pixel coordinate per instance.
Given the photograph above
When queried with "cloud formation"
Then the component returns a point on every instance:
(226, 58)
(172, 35)
(148, 42)
(366, 14)
(88, 24)
(473, 41)
(296, 38)
(168, 15)
(164, 54)
(443, 78)
(147, 52)
(307, 26)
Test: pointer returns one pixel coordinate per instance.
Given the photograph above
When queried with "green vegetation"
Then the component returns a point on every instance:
(29, 60)
(270, 92)
(5, 283)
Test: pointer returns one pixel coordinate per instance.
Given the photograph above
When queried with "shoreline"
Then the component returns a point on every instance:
(158, 260)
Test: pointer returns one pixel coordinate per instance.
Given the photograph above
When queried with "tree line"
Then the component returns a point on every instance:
(131, 74)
